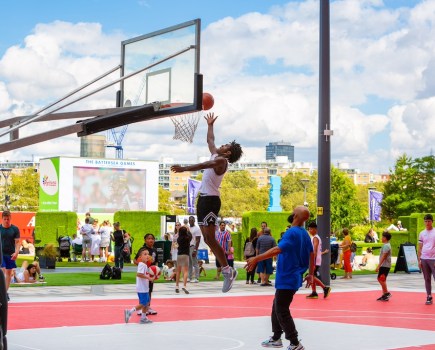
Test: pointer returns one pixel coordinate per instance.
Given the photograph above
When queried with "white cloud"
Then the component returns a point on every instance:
(263, 72)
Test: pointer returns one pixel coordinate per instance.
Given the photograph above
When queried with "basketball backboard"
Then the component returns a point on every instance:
(172, 55)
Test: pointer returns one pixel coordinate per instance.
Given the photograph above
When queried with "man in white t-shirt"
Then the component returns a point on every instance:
(426, 255)
(193, 256)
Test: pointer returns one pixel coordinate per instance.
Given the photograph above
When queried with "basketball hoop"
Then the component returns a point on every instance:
(185, 126)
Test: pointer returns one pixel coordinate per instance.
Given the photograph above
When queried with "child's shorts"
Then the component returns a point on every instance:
(144, 298)
(383, 271)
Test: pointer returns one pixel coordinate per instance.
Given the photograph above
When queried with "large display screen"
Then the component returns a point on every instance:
(106, 190)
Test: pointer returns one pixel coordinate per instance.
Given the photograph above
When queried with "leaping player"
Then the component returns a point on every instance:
(209, 202)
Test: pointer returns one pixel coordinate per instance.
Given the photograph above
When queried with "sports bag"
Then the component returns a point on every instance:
(106, 273)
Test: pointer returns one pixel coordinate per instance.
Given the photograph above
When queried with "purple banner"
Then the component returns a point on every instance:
(375, 199)
(192, 192)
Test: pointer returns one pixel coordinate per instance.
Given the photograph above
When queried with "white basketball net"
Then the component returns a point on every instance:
(185, 126)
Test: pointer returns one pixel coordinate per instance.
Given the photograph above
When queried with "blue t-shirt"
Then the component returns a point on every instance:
(294, 258)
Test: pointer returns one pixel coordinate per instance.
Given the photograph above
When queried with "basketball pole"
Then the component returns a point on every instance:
(324, 146)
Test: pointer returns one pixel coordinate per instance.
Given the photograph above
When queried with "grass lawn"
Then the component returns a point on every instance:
(92, 278)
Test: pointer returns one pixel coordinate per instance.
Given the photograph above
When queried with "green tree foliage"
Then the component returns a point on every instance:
(410, 188)
(24, 190)
(240, 193)
(292, 191)
(346, 210)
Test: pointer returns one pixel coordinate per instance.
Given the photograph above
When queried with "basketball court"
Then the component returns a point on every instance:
(207, 319)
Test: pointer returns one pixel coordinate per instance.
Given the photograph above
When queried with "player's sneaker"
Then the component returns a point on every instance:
(429, 300)
(230, 275)
(271, 343)
(127, 315)
(185, 290)
(326, 291)
(151, 311)
(383, 298)
(387, 295)
(296, 347)
(145, 321)
(313, 295)
(139, 313)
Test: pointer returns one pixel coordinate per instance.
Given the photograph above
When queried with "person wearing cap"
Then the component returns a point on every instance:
(10, 239)
(317, 248)
(426, 255)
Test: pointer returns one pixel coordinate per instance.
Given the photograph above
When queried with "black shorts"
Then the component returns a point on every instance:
(208, 210)
(383, 271)
(317, 272)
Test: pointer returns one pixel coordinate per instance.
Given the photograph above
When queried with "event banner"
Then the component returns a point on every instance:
(192, 191)
(49, 184)
(375, 200)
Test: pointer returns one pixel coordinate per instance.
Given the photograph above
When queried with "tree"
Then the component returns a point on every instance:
(24, 190)
(292, 191)
(240, 193)
(346, 210)
(410, 188)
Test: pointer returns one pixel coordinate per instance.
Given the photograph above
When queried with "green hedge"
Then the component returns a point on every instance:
(49, 226)
(138, 223)
(277, 222)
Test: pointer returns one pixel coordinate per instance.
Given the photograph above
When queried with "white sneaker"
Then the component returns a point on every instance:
(145, 321)
(270, 343)
(127, 315)
(151, 312)
(194, 281)
(230, 275)
(296, 347)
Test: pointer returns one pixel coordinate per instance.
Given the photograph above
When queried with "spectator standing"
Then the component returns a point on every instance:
(184, 239)
(345, 246)
(426, 255)
(174, 246)
(118, 240)
(105, 232)
(265, 267)
(96, 240)
(10, 238)
(249, 252)
(384, 266)
(193, 254)
(91, 219)
(223, 237)
(86, 231)
(296, 255)
(142, 287)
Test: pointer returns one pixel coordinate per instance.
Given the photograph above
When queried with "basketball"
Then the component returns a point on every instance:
(154, 271)
(207, 101)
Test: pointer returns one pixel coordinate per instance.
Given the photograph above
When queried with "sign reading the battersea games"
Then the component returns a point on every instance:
(98, 185)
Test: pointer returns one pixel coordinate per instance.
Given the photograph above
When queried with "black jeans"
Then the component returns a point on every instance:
(282, 320)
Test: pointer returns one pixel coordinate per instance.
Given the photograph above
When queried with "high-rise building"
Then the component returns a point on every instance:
(277, 149)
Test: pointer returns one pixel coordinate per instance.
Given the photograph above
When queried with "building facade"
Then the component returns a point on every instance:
(277, 149)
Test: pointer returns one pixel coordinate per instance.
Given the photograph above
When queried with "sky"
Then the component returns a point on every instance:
(260, 61)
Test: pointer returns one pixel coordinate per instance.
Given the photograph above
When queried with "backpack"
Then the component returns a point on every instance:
(116, 273)
(353, 247)
(249, 249)
(64, 243)
(106, 273)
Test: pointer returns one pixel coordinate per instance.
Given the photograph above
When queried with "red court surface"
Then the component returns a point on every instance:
(404, 310)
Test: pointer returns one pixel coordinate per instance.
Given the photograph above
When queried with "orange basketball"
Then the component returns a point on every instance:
(207, 101)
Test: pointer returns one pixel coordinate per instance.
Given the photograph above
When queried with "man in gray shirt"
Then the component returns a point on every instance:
(265, 267)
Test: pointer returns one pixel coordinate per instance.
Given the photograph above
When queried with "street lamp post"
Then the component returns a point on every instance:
(305, 183)
(6, 172)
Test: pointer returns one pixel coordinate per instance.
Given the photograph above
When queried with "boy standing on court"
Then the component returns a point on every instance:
(209, 202)
(384, 266)
(142, 287)
(317, 249)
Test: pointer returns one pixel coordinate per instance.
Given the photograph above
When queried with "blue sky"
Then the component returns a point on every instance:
(382, 66)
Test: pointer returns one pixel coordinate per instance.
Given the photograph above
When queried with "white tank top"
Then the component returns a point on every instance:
(319, 249)
(211, 181)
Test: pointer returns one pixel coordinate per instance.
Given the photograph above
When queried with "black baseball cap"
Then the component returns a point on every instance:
(312, 224)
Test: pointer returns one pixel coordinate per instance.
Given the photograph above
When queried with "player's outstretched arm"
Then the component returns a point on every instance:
(210, 118)
(215, 163)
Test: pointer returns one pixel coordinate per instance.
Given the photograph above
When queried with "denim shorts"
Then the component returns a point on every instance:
(8, 263)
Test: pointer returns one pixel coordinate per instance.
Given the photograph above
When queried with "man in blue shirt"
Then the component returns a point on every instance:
(295, 257)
